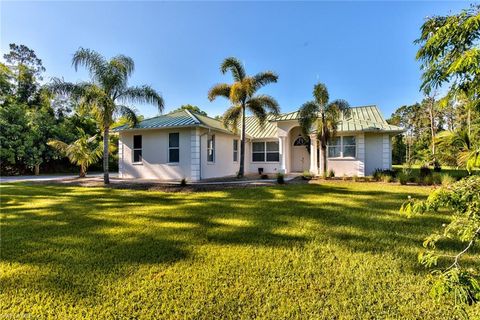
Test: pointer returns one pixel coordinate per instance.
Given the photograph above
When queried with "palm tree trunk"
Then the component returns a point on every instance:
(106, 178)
(324, 156)
(241, 170)
(82, 171)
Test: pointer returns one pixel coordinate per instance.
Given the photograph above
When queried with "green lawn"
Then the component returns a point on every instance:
(339, 250)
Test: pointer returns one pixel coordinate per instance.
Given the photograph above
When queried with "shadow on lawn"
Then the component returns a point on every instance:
(99, 230)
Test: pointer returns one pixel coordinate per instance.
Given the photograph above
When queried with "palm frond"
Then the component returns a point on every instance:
(235, 66)
(268, 103)
(320, 93)
(341, 107)
(308, 115)
(142, 94)
(58, 145)
(219, 90)
(93, 61)
(124, 63)
(258, 110)
(263, 78)
(232, 117)
(129, 114)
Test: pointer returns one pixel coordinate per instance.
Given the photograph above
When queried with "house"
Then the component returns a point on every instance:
(188, 145)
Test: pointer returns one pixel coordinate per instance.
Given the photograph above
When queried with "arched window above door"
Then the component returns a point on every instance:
(301, 141)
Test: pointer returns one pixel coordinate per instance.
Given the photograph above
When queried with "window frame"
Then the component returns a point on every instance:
(173, 148)
(342, 146)
(137, 149)
(211, 137)
(265, 152)
(235, 150)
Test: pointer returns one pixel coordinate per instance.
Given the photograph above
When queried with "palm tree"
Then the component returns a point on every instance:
(82, 152)
(464, 146)
(324, 115)
(107, 94)
(242, 97)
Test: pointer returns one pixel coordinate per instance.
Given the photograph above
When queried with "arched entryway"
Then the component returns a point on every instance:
(299, 151)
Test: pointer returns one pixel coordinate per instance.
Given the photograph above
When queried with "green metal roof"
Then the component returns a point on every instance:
(174, 119)
(366, 119)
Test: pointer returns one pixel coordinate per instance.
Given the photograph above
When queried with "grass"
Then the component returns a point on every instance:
(339, 250)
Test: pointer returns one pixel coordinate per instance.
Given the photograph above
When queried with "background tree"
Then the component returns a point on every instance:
(322, 116)
(108, 94)
(450, 54)
(242, 98)
(27, 115)
(82, 152)
(192, 108)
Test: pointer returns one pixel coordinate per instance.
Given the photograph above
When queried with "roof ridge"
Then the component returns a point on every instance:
(192, 116)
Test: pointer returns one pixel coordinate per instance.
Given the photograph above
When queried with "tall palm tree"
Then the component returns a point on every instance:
(82, 152)
(242, 97)
(107, 95)
(322, 116)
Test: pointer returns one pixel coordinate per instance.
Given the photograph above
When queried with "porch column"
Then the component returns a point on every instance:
(313, 154)
(283, 154)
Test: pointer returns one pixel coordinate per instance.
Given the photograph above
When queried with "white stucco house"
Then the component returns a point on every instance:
(192, 146)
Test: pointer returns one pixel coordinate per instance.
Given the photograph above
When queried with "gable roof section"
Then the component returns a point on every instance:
(364, 118)
(182, 118)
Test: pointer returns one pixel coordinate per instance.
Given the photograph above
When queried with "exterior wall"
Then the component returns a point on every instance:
(155, 155)
(377, 152)
(350, 166)
(223, 165)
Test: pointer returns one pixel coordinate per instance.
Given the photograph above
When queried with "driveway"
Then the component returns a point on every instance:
(50, 177)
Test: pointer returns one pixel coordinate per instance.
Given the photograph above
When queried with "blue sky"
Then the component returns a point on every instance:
(362, 51)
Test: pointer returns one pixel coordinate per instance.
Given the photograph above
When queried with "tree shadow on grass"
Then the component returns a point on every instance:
(100, 230)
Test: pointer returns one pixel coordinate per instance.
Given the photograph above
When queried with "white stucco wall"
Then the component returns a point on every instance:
(377, 153)
(223, 165)
(155, 155)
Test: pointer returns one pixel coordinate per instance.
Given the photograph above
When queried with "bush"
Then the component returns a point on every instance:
(403, 178)
(425, 172)
(344, 177)
(428, 180)
(280, 178)
(264, 176)
(307, 175)
(387, 178)
(436, 166)
(183, 183)
(437, 178)
(447, 179)
(355, 178)
(379, 174)
(331, 173)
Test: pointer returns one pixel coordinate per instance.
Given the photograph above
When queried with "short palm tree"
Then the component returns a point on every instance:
(107, 94)
(465, 147)
(322, 116)
(83, 152)
(242, 97)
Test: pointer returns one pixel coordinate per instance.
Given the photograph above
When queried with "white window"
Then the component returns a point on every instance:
(342, 147)
(349, 147)
(174, 147)
(235, 150)
(265, 151)
(137, 149)
(211, 148)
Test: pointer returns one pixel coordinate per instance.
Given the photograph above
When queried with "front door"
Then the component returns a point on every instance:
(300, 155)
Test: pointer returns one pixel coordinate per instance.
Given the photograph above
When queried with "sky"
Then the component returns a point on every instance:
(362, 51)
